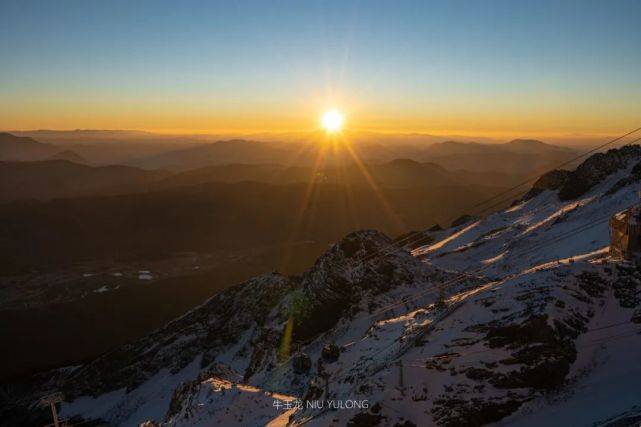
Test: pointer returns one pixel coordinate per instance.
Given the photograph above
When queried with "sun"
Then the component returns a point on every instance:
(332, 121)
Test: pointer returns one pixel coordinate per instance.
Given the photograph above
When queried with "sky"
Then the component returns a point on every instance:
(465, 67)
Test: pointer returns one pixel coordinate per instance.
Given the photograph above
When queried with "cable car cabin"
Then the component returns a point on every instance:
(625, 234)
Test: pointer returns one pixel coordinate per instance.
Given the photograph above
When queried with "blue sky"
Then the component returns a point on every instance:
(478, 66)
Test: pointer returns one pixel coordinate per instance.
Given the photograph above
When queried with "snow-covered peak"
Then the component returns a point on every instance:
(545, 227)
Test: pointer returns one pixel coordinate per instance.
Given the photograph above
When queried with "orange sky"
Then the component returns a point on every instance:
(504, 69)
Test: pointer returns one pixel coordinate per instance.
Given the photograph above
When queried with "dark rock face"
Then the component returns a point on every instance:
(535, 348)
(595, 168)
(331, 352)
(364, 262)
(634, 177)
(365, 419)
(552, 180)
(573, 184)
(301, 364)
(463, 219)
(544, 366)
(627, 287)
(263, 347)
(473, 413)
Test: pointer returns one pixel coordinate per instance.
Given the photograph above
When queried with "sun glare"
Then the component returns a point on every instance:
(332, 121)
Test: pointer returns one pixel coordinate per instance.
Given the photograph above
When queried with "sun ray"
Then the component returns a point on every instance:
(300, 217)
(398, 222)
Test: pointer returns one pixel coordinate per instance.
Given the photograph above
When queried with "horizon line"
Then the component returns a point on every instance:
(418, 133)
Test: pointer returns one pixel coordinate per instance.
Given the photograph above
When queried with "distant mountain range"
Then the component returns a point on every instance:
(514, 157)
(49, 179)
(69, 156)
(24, 148)
(63, 178)
(399, 173)
(210, 216)
(520, 156)
(150, 151)
(16, 148)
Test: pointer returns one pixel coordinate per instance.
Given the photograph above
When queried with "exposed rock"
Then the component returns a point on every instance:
(301, 364)
(455, 412)
(463, 219)
(363, 263)
(595, 168)
(634, 177)
(365, 419)
(552, 180)
(331, 352)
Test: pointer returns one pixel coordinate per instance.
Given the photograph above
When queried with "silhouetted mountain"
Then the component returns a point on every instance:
(182, 153)
(254, 152)
(399, 173)
(529, 146)
(520, 156)
(532, 146)
(16, 148)
(88, 135)
(215, 216)
(222, 152)
(55, 178)
(449, 148)
(69, 156)
(109, 147)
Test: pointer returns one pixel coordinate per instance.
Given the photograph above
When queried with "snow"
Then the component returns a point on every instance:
(101, 289)
(145, 275)
(445, 241)
(540, 230)
(609, 377)
(221, 402)
(149, 401)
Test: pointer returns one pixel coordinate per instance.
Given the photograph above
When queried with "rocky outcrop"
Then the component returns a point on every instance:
(633, 178)
(363, 263)
(595, 168)
(552, 180)
(573, 184)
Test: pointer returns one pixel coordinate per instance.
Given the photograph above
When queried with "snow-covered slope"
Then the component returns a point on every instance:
(521, 318)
